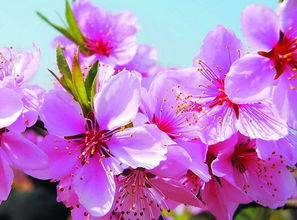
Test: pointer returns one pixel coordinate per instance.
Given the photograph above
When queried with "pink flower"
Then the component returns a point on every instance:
(271, 73)
(91, 150)
(268, 182)
(218, 115)
(109, 38)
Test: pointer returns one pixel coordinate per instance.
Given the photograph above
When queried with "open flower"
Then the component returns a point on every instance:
(272, 71)
(109, 38)
(268, 182)
(92, 150)
(218, 115)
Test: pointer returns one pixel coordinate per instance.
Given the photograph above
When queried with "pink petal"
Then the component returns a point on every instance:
(22, 153)
(26, 119)
(250, 79)
(139, 146)
(261, 121)
(95, 188)
(260, 27)
(27, 63)
(222, 198)
(288, 16)
(219, 50)
(271, 183)
(6, 177)
(61, 114)
(62, 155)
(11, 107)
(176, 157)
(118, 101)
(284, 97)
(217, 124)
(197, 151)
(175, 191)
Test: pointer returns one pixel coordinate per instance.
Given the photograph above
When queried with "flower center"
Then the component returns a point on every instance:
(101, 47)
(94, 142)
(283, 54)
(243, 153)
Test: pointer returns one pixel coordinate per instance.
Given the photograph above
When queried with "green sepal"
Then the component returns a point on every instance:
(79, 85)
(62, 30)
(62, 64)
(73, 27)
(91, 78)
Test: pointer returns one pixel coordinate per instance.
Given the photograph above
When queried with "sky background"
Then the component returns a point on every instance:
(175, 27)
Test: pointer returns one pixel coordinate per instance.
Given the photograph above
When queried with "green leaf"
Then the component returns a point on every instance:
(62, 63)
(90, 79)
(79, 85)
(74, 29)
(93, 90)
(62, 30)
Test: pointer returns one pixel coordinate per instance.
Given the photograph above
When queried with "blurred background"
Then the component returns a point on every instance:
(176, 28)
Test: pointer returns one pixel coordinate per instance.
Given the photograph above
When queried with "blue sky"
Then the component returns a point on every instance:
(175, 27)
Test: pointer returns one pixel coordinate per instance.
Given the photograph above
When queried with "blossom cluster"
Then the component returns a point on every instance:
(127, 138)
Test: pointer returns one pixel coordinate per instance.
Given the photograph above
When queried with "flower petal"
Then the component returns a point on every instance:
(6, 176)
(27, 63)
(62, 158)
(288, 16)
(197, 151)
(139, 146)
(262, 121)
(176, 157)
(11, 107)
(175, 191)
(260, 27)
(118, 101)
(22, 153)
(26, 119)
(95, 188)
(250, 79)
(61, 114)
(219, 50)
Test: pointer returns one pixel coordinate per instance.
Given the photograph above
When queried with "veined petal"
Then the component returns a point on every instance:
(139, 146)
(175, 191)
(61, 115)
(261, 121)
(22, 153)
(62, 155)
(95, 188)
(197, 151)
(27, 63)
(118, 101)
(11, 107)
(176, 157)
(288, 16)
(219, 50)
(217, 124)
(250, 79)
(260, 27)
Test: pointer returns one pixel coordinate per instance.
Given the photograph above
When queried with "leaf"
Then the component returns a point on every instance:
(93, 90)
(79, 85)
(62, 63)
(90, 79)
(62, 30)
(74, 29)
